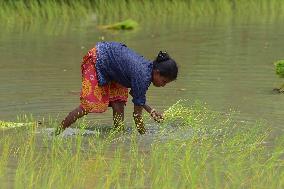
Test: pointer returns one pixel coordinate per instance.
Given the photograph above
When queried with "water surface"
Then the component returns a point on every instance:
(227, 65)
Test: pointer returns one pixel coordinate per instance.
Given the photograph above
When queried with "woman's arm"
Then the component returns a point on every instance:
(147, 108)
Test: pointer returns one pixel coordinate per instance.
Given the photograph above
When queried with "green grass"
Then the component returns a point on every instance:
(56, 17)
(109, 11)
(193, 148)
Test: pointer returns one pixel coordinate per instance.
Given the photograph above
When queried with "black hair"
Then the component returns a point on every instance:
(166, 65)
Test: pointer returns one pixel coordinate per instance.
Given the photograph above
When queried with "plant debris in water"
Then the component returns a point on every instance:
(128, 24)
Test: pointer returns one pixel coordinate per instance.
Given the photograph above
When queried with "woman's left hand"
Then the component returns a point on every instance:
(158, 117)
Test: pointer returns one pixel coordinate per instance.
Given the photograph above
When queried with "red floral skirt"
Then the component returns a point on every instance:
(95, 98)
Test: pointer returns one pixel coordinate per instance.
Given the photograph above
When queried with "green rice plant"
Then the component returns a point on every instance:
(159, 11)
(194, 147)
(56, 167)
(9, 124)
(279, 67)
(4, 157)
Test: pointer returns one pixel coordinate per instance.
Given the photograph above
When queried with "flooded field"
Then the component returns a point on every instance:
(223, 126)
(226, 65)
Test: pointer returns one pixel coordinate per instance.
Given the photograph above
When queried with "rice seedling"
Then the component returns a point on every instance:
(279, 69)
(160, 11)
(194, 147)
(22, 121)
(7, 124)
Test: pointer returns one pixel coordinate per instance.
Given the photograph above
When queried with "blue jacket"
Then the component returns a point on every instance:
(116, 62)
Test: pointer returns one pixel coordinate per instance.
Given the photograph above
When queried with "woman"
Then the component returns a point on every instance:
(108, 70)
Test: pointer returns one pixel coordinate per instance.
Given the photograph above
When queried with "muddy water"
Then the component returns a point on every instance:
(226, 65)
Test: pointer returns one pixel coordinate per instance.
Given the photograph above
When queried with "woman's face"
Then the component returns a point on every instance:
(158, 80)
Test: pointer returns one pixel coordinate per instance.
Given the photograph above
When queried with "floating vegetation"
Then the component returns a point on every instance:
(128, 24)
(279, 69)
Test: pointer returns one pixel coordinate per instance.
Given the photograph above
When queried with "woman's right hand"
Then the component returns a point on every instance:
(158, 117)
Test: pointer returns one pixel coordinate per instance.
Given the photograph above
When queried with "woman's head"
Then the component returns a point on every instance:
(165, 70)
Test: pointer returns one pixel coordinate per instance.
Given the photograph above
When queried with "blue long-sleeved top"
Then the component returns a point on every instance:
(116, 62)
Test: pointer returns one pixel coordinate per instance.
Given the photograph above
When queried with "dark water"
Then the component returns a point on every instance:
(226, 65)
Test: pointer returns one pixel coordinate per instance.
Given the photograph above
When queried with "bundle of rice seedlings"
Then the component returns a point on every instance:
(279, 68)
(128, 24)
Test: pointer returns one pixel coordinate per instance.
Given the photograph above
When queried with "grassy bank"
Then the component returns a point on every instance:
(193, 148)
(103, 11)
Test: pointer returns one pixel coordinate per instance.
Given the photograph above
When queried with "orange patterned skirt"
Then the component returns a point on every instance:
(95, 98)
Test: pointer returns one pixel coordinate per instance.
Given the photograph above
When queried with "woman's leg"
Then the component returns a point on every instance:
(118, 114)
(73, 116)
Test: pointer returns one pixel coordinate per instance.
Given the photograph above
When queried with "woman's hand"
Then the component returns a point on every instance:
(158, 117)
(137, 115)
